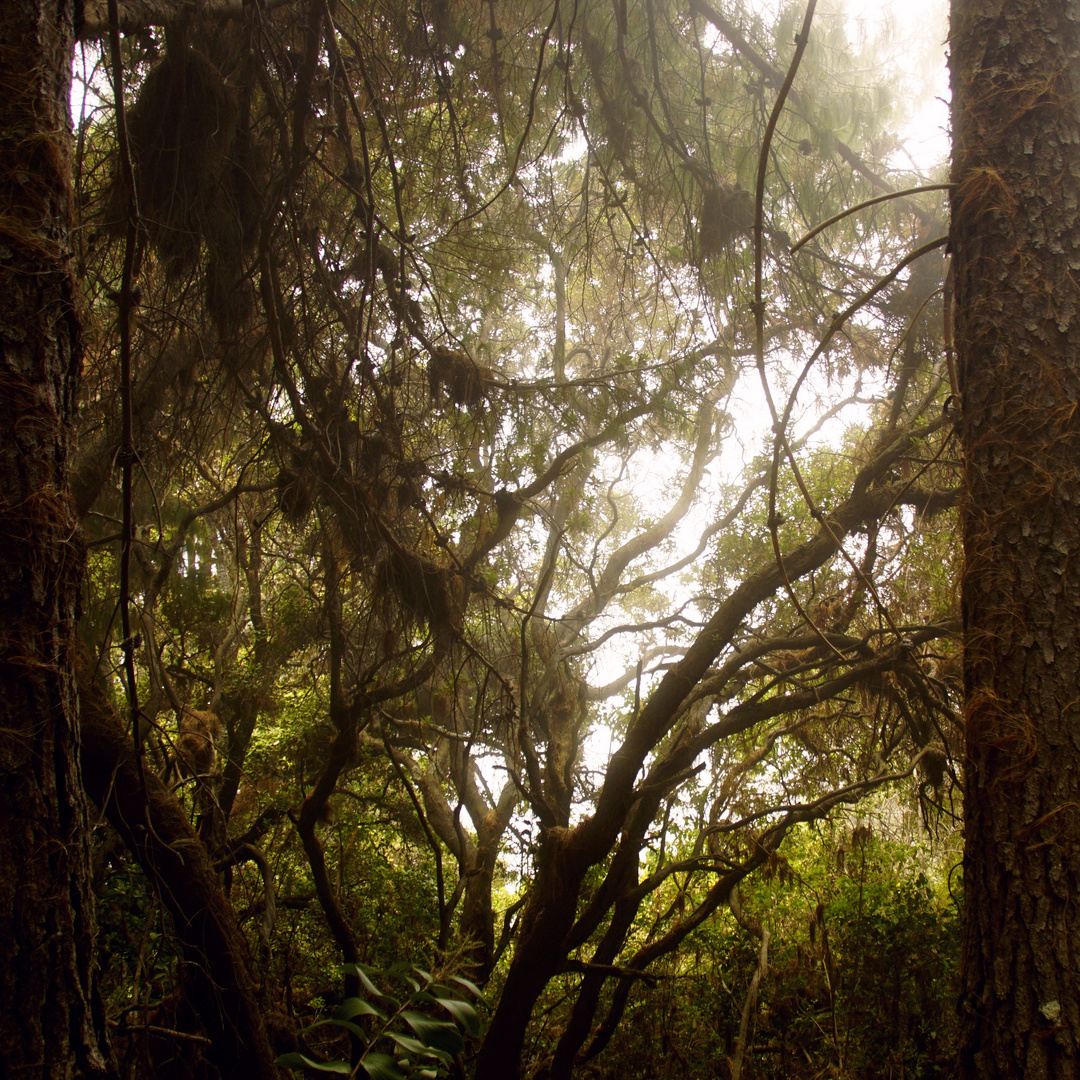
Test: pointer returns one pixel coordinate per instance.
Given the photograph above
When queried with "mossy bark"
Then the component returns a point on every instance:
(1016, 245)
(50, 1025)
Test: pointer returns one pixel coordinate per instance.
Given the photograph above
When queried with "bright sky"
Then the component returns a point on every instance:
(919, 30)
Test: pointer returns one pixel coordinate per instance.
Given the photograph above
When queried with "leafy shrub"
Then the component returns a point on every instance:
(417, 1035)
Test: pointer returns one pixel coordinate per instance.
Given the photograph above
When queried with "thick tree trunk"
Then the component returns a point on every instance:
(1016, 243)
(538, 955)
(477, 913)
(49, 1025)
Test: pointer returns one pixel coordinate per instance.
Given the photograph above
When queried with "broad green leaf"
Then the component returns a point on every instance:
(438, 1033)
(361, 972)
(406, 978)
(469, 985)
(408, 1043)
(412, 1045)
(381, 1067)
(348, 1025)
(296, 1060)
(352, 1007)
(463, 1013)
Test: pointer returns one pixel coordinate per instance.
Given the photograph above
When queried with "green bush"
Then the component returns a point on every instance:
(416, 1035)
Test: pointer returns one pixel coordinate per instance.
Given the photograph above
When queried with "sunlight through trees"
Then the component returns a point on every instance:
(517, 458)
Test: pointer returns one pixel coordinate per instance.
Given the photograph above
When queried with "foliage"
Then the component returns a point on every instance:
(454, 510)
(422, 1045)
(862, 978)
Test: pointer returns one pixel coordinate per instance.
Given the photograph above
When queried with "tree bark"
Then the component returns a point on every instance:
(1016, 245)
(50, 1025)
(538, 955)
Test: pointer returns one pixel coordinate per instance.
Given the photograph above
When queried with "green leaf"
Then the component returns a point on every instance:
(361, 972)
(438, 1033)
(348, 1025)
(470, 986)
(415, 1046)
(381, 1067)
(463, 1013)
(406, 978)
(296, 1060)
(352, 1007)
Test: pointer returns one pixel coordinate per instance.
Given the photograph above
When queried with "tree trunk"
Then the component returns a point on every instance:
(217, 971)
(49, 1023)
(1016, 244)
(477, 913)
(538, 955)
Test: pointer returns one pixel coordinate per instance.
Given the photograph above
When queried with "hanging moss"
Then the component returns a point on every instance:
(182, 128)
(463, 381)
(427, 591)
(294, 495)
(727, 212)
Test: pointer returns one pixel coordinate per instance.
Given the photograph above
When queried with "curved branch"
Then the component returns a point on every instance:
(648, 538)
(157, 832)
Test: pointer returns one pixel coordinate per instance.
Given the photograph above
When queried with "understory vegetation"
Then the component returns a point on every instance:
(859, 978)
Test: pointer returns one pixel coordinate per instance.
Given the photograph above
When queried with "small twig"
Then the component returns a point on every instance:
(156, 1029)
